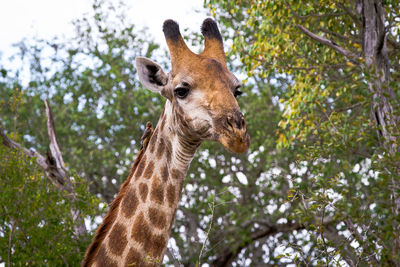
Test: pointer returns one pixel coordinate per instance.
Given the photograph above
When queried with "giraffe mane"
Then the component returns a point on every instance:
(111, 215)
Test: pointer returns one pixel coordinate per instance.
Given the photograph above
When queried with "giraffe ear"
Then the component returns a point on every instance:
(151, 75)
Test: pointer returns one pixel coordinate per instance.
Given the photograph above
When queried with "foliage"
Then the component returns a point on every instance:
(347, 167)
(36, 223)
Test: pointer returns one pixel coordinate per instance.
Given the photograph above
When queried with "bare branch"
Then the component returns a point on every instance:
(54, 147)
(348, 54)
(340, 36)
(52, 164)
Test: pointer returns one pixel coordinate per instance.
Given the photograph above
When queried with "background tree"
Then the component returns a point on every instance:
(42, 211)
(340, 118)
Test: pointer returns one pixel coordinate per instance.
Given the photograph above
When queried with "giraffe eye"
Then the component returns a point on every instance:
(237, 93)
(181, 92)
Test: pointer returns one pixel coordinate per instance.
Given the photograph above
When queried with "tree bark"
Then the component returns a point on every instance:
(374, 42)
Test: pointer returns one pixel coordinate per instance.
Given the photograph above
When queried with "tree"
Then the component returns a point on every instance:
(340, 118)
(42, 211)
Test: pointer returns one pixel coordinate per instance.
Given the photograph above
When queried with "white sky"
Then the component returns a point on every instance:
(48, 18)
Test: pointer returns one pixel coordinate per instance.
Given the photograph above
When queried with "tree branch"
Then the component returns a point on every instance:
(350, 13)
(54, 147)
(393, 43)
(231, 253)
(52, 164)
(348, 54)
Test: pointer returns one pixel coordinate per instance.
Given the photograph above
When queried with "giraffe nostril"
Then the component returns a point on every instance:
(242, 122)
(229, 122)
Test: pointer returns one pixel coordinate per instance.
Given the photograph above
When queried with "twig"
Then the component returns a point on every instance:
(212, 207)
(172, 258)
(350, 13)
(322, 235)
(10, 243)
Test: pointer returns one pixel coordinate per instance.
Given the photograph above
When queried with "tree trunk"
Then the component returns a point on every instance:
(374, 34)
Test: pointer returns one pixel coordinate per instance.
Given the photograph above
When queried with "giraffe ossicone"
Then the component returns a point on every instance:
(201, 105)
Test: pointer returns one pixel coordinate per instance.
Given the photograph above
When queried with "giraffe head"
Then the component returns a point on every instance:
(200, 88)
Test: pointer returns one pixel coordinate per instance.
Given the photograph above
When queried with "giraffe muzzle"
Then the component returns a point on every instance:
(235, 136)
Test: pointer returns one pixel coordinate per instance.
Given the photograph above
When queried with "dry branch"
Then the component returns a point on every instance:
(52, 164)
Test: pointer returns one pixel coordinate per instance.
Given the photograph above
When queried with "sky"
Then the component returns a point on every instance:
(47, 18)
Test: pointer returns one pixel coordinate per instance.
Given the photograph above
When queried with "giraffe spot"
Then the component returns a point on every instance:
(156, 247)
(143, 190)
(129, 203)
(118, 240)
(168, 150)
(165, 173)
(168, 146)
(153, 140)
(157, 191)
(103, 260)
(157, 218)
(163, 112)
(140, 167)
(176, 174)
(149, 170)
(162, 123)
(134, 258)
(171, 195)
(161, 148)
(140, 230)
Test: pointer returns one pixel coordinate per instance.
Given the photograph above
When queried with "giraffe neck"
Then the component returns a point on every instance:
(139, 232)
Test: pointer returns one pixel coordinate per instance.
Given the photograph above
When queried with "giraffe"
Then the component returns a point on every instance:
(200, 105)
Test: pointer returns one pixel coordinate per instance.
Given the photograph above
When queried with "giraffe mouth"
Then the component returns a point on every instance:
(231, 132)
(236, 142)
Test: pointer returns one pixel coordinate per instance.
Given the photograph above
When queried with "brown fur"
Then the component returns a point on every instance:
(140, 168)
(157, 218)
(157, 190)
(129, 203)
(143, 191)
(157, 246)
(171, 194)
(118, 239)
(176, 174)
(153, 141)
(104, 260)
(132, 258)
(162, 122)
(165, 173)
(141, 232)
(161, 148)
(149, 170)
(109, 219)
